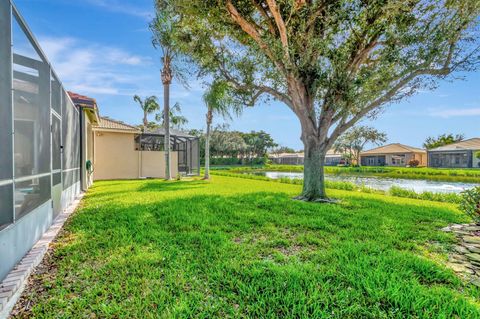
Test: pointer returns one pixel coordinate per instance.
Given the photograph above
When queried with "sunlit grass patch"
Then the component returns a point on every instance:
(240, 248)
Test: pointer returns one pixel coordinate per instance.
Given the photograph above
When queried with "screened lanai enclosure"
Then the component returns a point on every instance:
(186, 146)
(39, 141)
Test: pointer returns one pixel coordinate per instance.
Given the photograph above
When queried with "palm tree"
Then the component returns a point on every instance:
(148, 106)
(163, 26)
(218, 101)
(176, 119)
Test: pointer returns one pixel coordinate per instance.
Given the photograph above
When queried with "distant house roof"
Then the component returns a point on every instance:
(289, 155)
(330, 153)
(394, 148)
(173, 132)
(470, 144)
(106, 123)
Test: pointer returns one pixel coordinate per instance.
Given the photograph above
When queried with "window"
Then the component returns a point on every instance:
(6, 164)
(56, 143)
(31, 125)
(70, 141)
(30, 194)
(56, 98)
(6, 205)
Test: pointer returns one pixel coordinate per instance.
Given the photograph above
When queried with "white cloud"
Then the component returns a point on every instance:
(92, 68)
(460, 112)
(125, 8)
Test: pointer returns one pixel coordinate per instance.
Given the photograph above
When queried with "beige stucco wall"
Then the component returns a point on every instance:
(153, 164)
(421, 157)
(115, 157)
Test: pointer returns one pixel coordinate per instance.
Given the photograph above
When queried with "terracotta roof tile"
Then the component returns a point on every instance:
(108, 123)
(82, 100)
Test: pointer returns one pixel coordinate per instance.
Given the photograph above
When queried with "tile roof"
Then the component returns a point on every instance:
(82, 100)
(109, 124)
(173, 132)
(470, 144)
(394, 148)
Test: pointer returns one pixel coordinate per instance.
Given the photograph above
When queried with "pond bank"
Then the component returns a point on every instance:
(384, 184)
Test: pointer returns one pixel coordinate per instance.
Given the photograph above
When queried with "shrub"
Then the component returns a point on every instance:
(470, 203)
(414, 163)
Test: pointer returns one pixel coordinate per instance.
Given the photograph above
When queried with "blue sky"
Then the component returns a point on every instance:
(102, 48)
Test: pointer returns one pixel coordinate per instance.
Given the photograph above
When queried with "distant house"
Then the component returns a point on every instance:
(287, 158)
(331, 159)
(457, 155)
(393, 155)
(123, 151)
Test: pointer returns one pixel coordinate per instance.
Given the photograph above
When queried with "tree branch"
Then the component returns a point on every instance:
(272, 4)
(253, 32)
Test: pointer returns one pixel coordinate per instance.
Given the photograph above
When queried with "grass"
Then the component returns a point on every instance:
(240, 248)
(435, 174)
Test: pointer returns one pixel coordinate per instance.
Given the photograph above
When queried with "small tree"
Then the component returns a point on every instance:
(148, 106)
(442, 140)
(218, 101)
(352, 142)
(331, 62)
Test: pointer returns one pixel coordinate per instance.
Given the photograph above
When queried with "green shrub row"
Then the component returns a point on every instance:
(393, 191)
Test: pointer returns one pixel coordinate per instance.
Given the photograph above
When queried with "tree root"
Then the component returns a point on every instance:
(317, 200)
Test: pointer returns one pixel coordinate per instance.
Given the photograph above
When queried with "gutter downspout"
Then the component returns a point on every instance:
(82, 155)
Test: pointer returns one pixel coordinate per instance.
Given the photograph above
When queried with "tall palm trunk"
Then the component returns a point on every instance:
(207, 144)
(167, 80)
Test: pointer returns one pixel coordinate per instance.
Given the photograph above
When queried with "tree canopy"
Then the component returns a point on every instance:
(352, 142)
(442, 140)
(331, 62)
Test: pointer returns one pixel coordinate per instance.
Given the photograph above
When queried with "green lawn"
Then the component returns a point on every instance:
(239, 248)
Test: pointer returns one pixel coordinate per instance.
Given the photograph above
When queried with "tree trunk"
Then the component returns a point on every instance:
(314, 178)
(166, 123)
(207, 144)
(145, 120)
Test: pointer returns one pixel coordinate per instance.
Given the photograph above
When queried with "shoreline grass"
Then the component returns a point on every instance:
(434, 174)
(240, 248)
(393, 191)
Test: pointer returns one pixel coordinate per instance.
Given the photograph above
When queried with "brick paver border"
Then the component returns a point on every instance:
(12, 286)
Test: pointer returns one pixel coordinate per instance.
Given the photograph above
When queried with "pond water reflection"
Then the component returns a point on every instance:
(417, 185)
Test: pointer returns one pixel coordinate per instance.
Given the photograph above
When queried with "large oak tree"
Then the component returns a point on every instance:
(331, 62)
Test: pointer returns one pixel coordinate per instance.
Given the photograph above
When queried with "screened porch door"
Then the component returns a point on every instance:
(56, 164)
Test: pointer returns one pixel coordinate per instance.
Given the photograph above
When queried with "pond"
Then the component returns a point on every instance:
(417, 185)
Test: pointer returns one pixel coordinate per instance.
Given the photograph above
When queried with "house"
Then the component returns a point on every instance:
(287, 158)
(395, 154)
(89, 117)
(462, 154)
(123, 151)
(331, 159)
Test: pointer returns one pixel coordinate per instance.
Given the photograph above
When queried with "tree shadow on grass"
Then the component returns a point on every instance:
(106, 191)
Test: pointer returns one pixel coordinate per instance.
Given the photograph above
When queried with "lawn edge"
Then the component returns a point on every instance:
(13, 285)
